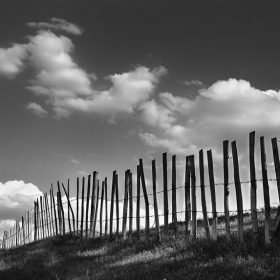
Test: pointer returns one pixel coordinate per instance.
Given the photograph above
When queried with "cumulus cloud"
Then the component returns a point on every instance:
(11, 60)
(36, 109)
(75, 161)
(58, 24)
(16, 197)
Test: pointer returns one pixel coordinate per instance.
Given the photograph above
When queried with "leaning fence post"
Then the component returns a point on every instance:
(125, 203)
(96, 209)
(42, 217)
(193, 189)
(253, 183)
(203, 199)
(174, 206)
(265, 192)
(213, 193)
(54, 211)
(77, 205)
(154, 176)
(226, 189)
(142, 176)
(106, 209)
(238, 190)
(35, 221)
(23, 229)
(276, 163)
(61, 205)
(165, 192)
(93, 202)
(112, 204)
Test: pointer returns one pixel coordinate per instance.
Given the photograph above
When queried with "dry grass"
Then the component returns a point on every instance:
(67, 258)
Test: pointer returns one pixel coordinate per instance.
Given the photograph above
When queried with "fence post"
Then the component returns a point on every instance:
(174, 206)
(87, 207)
(203, 199)
(112, 204)
(106, 209)
(265, 192)
(154, 178)
(54, 211)
(193, 189)
(238, 190)
(35, 221)
(142, 176)
(96, 209)
(77, 205)
(61, 207)
(101, 208)
(130, 206)
(23, 229)
(213, 193)
(165, 192)
(93, 202)
(276, 163)
(47, 213)
(82, 210)
(138, 203)
(117, 207)
(253, 184)
(226, 189)
(125, 203)
(187, 196)
(42, 217)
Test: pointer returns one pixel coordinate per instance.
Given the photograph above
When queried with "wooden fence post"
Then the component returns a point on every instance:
(193, 189)
(125, 203)
(101, 208)
(213, 193)
(147, 226)
(203, 198)
(174, 206)
(35, 221)
(87, 207)
(106, 208)
(82, 210)
(117, 207)
(47, 213)
(42, 217)
(54, 211)
(187, 196)
(165, 192)
(23, 229)
(226, 189)
(253, 184)
(59, 214)
(112, 204)
(238, 190)
(154, 178)
(77, 209)
(276, 163)
(138, 203)
(61, 208)
(93, 202)
(96, 209)
(265, 192)
(130, 206)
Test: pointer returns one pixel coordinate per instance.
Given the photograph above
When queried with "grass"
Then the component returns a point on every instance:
(65, 257)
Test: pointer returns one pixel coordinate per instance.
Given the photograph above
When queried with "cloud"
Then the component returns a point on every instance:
(16, 197)
(75, 161)
(11, 60)
(36, 109)
(192, 83)
(82, 173)
(58, 24)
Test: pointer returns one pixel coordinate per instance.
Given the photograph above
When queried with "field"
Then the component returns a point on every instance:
(66, 257)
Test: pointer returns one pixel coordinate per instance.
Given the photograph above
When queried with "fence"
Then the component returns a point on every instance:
(48, 216)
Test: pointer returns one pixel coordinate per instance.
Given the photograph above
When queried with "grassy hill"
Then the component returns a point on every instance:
(68, 258)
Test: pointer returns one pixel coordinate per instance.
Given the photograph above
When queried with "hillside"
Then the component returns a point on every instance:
(65, 257)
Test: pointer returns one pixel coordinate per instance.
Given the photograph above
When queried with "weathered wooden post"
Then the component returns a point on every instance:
(193, 190)
(101, 208)
(138, 203)
(187, 196)
(174, 206)
(82, 210)
(112, 204)
(165, 192)
(96, 209)
(226, 189)
(265, 192)
(125, 203)
(130, 206)
(238, 191)
(93, 202)
(106, 208)
(87, 207)
(154, 178)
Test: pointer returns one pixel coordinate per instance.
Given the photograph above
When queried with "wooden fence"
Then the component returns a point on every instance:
(48, 217)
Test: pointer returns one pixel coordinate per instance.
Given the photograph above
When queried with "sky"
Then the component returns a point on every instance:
(95, 85)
